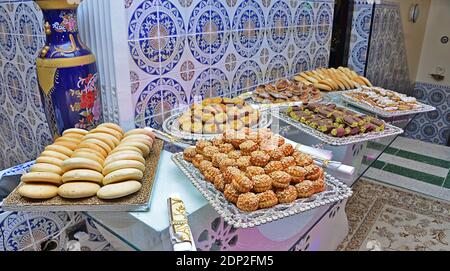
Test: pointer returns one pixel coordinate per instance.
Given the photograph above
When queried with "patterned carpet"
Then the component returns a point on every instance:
(383, 218)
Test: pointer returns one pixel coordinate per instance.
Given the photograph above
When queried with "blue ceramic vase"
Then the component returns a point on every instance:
(67, 71)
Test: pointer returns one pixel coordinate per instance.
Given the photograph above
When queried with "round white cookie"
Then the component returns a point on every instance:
(118, 190)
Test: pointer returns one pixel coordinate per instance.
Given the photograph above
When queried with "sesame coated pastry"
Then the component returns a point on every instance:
(314, 172)
(280, 179)
(198, 158)
(273, 166)
(231, 194)
(248, 202)
(287, 195)
(288, 161)
(211, 173)
(219, 182)
(259, 158)
(230, 172)
(305, 189)
(243, 162)
(262, 183)
(242, 183)
(253, 171)
(297, 173)
(267, 199)
(189, 154)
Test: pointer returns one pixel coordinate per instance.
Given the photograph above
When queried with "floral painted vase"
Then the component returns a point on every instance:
(67, 71)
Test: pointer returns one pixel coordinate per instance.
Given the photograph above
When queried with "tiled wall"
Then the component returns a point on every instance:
(387, 62)
(23, 128)
(359, 40)
(182, 50)
(434, 126)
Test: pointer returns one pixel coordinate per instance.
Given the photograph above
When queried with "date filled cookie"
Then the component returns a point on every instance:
(241, 183)
(259, 158)
(267, 199)
(273, 166)
(248, 202)
(288, 162)
(262, 183)
(243, 162)
(297, 173)
(305, 189)
(287, 195)
(230, 193)
(253, 171)
(280, 179)
(189, 154)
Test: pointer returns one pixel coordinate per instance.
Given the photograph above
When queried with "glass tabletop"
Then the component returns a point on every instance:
(139, 232)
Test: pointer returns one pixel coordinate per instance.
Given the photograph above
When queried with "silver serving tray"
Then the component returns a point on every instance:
(423, 108)
(335, 192)
(171, 127)
(390, 130)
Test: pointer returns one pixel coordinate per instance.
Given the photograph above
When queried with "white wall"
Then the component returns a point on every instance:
(434, 53)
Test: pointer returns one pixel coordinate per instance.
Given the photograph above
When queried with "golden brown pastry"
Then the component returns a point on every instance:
(248, 202)
(253, 171)
(305, 189)
(288, 162)
(259, 158)
(230, 172)
(219, 182)
(247, 147)
(287, 149)
(226, 148)
(273, 166)
(210, 174)
(189, 154)
(297, 173)
(261, 183)
(231, 194)
(302, 159)
(241, 183)
(314, 172)
(267, 199)
(201, 144)
(197, 160)
(243, 162)
(234, 154)
(226, 162)
(209, 151)
(280, 179)
(217, 158)
(319, 185)
(287, 195)
(275, 155)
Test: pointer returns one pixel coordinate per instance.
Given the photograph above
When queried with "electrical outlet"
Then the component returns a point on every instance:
(79, 227)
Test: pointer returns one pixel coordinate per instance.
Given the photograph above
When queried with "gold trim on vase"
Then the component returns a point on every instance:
(65, 62)
(46, 78)
(57, 4)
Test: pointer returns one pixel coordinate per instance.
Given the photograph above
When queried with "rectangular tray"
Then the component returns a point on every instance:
(390, 130)
(382, 113)
(136, 202)
(335, 192)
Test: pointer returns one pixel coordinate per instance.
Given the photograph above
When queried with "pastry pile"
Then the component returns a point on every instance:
(216, 115)
(103, 162)
(333, 79)
(256, 169)
(386, 100)
(335, 121)
(286, 91)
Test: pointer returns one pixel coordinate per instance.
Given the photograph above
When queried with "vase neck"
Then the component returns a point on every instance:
(62, 37)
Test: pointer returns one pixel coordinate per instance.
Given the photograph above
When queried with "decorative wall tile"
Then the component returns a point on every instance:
(434, 126)
(214, 48)
(359, 40)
